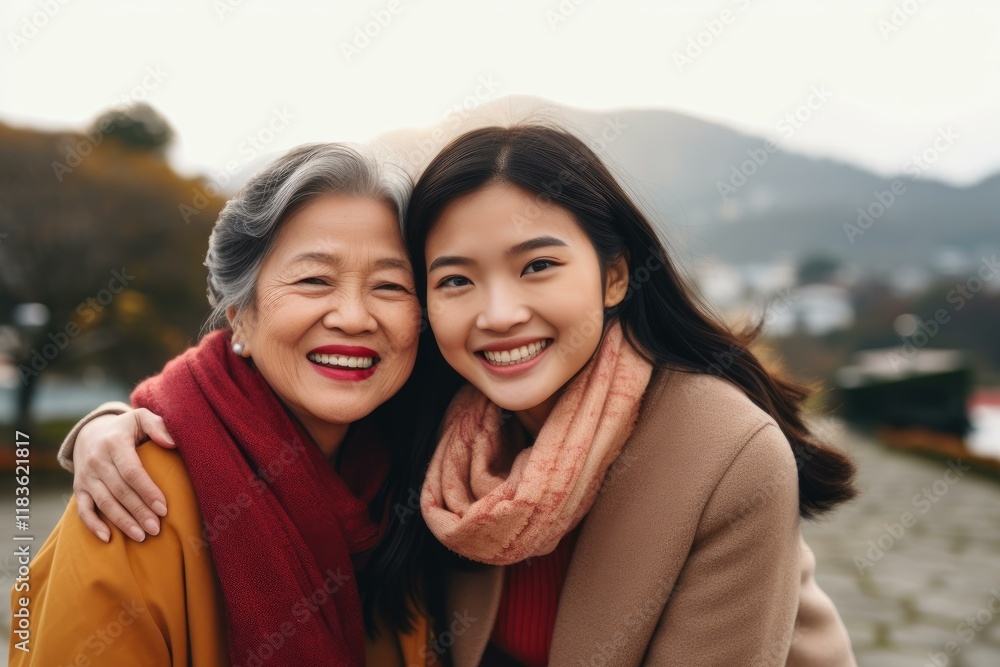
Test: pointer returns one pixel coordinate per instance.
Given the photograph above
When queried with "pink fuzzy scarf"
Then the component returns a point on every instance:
(487, 505)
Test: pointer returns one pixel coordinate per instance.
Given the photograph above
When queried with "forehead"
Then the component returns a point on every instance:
(497, 217)
(342, 224)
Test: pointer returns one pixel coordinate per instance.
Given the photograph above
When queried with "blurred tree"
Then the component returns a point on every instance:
(817, 269)
(139, 126)
(95, 231)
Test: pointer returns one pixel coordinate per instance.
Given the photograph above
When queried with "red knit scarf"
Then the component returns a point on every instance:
(281, 523)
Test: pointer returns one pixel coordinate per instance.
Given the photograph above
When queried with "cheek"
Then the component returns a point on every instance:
(437, 317)
(579, 319)
(277, 336)
(280, 314)
(401, 324)
(573, 309)
(447, 325)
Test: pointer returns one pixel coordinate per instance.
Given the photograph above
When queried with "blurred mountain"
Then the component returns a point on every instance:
(770, 205)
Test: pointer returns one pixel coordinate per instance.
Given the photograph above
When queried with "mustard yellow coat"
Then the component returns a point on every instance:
(154, 603)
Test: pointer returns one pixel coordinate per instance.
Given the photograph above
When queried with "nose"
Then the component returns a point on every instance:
(503, 310)
(350, 314)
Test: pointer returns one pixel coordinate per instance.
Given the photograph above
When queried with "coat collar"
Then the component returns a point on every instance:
(476, 595)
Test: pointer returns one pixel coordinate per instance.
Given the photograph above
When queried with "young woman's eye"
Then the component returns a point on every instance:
(455, 281)
(538, 265)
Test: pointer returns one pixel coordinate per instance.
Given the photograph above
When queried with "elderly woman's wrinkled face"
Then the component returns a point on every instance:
(335, 325)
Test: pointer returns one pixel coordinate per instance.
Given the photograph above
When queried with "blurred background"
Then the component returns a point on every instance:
(834, 169)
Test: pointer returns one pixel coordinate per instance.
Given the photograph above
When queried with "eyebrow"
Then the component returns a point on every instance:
(513, 251)
(535, 244)
(327, 258)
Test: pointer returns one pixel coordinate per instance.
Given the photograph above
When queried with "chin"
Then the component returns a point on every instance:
(515, 403)
(338, 415)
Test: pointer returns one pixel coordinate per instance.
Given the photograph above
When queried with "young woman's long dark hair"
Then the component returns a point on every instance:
(661, 317)
(392, 584)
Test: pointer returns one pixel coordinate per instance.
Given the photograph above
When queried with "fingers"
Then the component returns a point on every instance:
(109, 470)
(141, 495)
(152, 425)
(85, 508)
(109, 506)
(113, 476)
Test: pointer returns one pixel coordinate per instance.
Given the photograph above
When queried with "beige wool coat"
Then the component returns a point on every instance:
(691, 555)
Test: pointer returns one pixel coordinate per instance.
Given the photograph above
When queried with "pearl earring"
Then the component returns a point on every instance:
(238, 348)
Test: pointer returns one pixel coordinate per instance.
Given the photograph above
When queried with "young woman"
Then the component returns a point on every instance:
(620, 478)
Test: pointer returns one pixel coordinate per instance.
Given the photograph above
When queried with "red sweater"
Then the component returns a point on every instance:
(528, 604)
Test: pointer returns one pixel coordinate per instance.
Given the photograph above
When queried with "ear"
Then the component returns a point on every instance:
(231, 316)
(616, 281)
(238, 325)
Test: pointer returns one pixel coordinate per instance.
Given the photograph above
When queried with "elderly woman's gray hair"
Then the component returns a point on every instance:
(249, 224)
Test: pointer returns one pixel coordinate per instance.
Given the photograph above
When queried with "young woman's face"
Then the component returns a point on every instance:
(516, 303)
(335, 325)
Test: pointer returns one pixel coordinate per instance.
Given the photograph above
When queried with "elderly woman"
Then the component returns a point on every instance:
(274, 483)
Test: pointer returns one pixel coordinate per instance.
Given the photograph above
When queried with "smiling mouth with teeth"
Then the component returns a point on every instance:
(341, 361)
(517, 355)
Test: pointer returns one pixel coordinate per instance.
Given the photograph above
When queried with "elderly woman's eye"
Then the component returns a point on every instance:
(313, 281)
(393, 286)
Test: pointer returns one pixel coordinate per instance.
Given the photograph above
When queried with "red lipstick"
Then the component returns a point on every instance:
(342, 373)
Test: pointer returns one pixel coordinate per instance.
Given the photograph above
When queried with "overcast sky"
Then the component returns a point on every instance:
(895, 72)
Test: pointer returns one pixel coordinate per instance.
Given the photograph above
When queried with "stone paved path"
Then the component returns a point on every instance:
(914, 564)
(920, 581)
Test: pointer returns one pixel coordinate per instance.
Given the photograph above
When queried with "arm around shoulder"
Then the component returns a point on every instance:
(65, 455)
